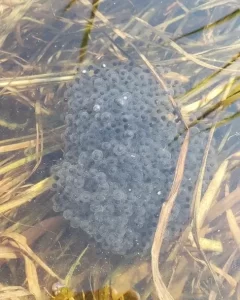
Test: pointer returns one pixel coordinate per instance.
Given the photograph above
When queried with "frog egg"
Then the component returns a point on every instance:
(97, 155)
(68, 214)
(75, 222)
(124, 99)
(106, 117)
(119, 149)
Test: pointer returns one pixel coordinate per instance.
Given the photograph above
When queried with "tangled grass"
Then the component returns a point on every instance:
(42, 43)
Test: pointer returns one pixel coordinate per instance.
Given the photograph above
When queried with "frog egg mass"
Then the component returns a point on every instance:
(122, 143)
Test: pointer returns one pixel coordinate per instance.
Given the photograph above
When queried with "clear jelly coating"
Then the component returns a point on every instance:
(121, 147)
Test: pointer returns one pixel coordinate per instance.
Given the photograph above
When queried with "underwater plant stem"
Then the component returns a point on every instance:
(25, 160)
(162, 291)
(12, 125)
(28, 195)
(89, 27)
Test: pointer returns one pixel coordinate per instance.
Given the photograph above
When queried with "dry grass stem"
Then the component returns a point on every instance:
(13, 292)
(18, 242)
(233, 225)
(27, 195)
(43, 45)
(211, 192)
(162, 291)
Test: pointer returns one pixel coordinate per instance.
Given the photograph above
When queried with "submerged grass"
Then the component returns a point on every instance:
(161, 289)
(39, 43)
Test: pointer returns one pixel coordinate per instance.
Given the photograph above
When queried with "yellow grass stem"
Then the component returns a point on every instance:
(73, 267)
(9, 183)
(7, 253)
(180, 50)
(224, 140)
(26, 160)
(32, 138)
(14, 292)
(161, 289)
(209, 81)
(211, 192)
(12, 125)
(208, 245)
(234, 227)
(27, 195)
(18, 243)
(179, 278)
(196, 206)
(13, 18)
(226, 267)
(223, 205)
(26, 81)
(18, 146)
(32, 278)
(192, 107)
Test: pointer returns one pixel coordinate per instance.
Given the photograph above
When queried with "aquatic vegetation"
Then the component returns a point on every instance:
(105, 293)
(192, 44)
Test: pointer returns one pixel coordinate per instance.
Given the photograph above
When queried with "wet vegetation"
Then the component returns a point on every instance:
(41, 45)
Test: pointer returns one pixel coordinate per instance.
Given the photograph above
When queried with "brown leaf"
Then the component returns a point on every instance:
(36, 231)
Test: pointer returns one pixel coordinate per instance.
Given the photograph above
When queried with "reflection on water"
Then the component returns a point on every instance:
(191, 52)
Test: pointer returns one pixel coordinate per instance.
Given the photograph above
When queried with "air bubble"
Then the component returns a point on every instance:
(96, 108)
(129, 134)
(121, 101)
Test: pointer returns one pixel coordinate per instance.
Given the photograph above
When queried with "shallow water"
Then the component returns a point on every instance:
(42, 45)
